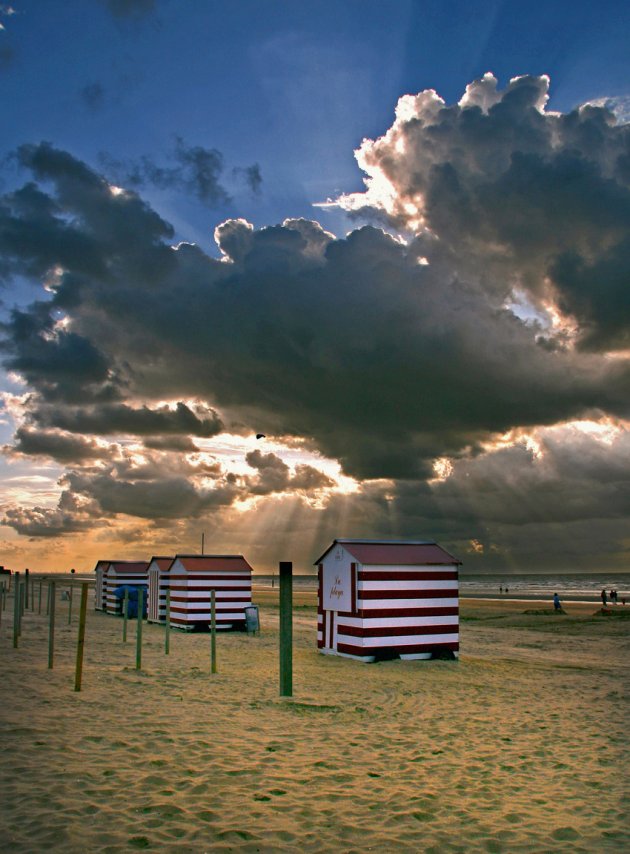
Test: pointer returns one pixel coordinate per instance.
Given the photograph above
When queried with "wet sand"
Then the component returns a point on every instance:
(520, 746)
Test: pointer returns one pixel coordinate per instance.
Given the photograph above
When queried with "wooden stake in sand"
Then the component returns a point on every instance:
(125, 612)
(26, 588)
(22, 593)
(16, 610)
(48, 599)
(51, 624)
(139, 629)
(1, 601)
(213, 631)
(70, 592)
(167, 627)
(39, 605)
(286, 629)
(81, 637)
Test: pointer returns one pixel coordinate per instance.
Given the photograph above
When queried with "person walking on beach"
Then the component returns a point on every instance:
(556, 602)
(604, 599)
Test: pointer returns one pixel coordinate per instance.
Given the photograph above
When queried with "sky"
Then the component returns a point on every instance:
(393, 238)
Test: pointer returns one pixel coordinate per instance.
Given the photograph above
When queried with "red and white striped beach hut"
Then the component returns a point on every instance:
(99, 588)
(193, 577)
(159, 581)
(386, 599)
(119, 572)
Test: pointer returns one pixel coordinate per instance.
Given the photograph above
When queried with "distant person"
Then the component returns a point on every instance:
(604, 599)
(612, 595)
(556, 602)
(501, 589)
(614, 598)
(506, 590)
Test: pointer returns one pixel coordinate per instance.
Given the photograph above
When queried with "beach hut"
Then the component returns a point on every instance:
(158, 583)
(191, 580)
(118, 573)
(385, 599)
(99, 587)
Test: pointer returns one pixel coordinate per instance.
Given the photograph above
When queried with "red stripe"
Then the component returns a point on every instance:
(387, 631)
(225, 587)
(351, 649)
(407, 594)
(197, 599)
(447, 611)
(396, 575)
(353, 587)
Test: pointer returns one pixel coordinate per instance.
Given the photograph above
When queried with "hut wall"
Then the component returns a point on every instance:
(410, 611)
(99, 589)
(116, 578)
(159, 581)
(190, 596)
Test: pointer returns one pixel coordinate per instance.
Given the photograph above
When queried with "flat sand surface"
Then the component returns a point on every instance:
(521, 746)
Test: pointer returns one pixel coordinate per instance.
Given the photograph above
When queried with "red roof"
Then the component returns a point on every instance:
(395, 552)
(129, 567)
(162, 562)
(217, 563)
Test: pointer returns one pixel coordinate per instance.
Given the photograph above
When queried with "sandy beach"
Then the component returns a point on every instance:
(521, 746)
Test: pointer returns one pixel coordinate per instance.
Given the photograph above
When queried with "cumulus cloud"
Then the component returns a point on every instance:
(517, 195)
(382, 352)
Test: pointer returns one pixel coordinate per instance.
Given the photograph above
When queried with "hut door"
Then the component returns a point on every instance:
(330, 630)
(153, 607)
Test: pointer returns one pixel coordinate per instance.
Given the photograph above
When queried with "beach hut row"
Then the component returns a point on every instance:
(377, 599)
(190, 580)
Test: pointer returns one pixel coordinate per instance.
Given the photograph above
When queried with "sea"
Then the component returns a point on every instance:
(579, 587)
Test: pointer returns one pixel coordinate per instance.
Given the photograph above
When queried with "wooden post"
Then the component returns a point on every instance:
(125, 611)
(167, 627)
(22, 589)
(139, 629)
(81, 638)
(16, 610)
(39, 606)
(1, 599)
(51, 624)
(213, 631)
(48, 599)
(70, 592)
(26, 589)
(286, 629)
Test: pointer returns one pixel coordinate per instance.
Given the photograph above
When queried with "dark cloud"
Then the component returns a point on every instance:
(134, 9)
(197, 171)
(111, 419)
(252, 177)
(93, 95)
(58, 446)
(7, 57)
(275, 475)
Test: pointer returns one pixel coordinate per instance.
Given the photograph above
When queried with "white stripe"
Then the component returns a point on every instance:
(398, 640)
(378, 604)
(384, 622)
(408, 585)
(416, 567)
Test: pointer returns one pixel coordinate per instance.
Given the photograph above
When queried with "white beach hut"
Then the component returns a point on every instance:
(118, 573)
(191, 580)
(159, 581)
(99, 587)
(385, 599)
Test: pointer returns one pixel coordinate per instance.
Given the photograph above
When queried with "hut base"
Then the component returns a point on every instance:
(391, 655)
